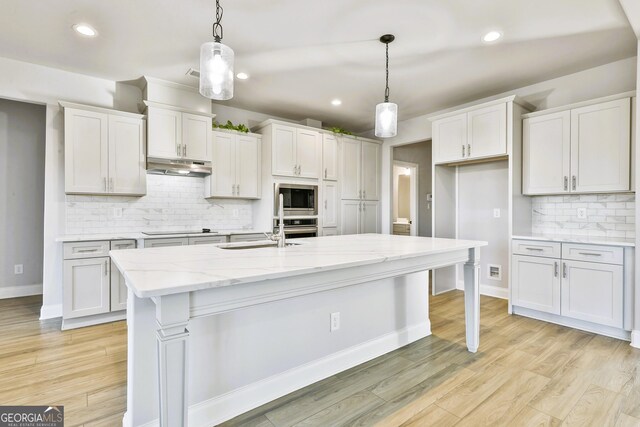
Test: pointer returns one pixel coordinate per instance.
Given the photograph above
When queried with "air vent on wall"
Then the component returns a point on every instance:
(494, 272)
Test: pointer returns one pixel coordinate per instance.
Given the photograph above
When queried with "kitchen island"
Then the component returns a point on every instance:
(172, 289)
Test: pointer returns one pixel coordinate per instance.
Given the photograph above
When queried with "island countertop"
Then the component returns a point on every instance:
(155, 272)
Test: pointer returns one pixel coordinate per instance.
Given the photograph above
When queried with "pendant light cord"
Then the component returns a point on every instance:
(386, 90)
(217, 27)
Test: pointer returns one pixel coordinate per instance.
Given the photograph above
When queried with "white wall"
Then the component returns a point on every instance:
(22, 149)
(608, 79)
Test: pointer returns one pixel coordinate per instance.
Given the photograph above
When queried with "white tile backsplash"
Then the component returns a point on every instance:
(171, 203)
(608, 215)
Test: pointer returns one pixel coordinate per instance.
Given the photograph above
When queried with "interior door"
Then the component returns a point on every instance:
(164, 133)
(330, 205)
(308, 149)
(196, 137)
(350, 216)
(601, 147)
(330, 157)
(547, 153)
(351, 164)
(284, 151)
(487, 131)
(248, 166)
(127, 161)
(370, 217)
(223, 175)
(450, 138)
(370, 171)
(536, 283)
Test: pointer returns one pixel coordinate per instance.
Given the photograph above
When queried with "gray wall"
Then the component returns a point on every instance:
(22, 151)
(419, 153)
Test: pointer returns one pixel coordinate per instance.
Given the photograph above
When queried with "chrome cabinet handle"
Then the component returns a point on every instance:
(86, 250)
(325, 173)
(535, 249)
(105, 184)
(364, 207)
(111, 184)
(178, 149)
(106, 267)
(566, 183)
(564, 270)
(468, 149)
(237, 189)
(325, 204)
(364, 194)
(555, 269)
(462, 150)
(589, 253)
(184, 150)
(573, 182)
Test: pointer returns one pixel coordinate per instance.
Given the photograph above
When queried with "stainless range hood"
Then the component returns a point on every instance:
(178, 167)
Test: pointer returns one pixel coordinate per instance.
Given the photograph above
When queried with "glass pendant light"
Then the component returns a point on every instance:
(387, 112)
(216, 64)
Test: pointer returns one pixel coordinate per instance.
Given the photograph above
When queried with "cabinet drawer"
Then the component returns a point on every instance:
(593, 253)
(536, 248)
(246, 237)
(163, 243)
(76, 250)
(123, 244)
(207, 240)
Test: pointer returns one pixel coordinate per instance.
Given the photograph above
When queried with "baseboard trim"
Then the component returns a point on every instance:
(227, 406)
(488, 290)
(635, 338)
(20, 291)
(51, 311)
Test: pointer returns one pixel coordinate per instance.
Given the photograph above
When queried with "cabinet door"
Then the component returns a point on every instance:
(86, 287)
(117, 283)
(370, 217)
(86, 151)
(370, 171)
(127, 161)
(547, 153)
(450, 139)
(330, 205)
(330, 157)
(196, 137)
(163, 243)
(223, 175)
(308, 148)
(593, 292)
(351, 167)
(601, 147)
(350, 216)
(536, 283)
(164, 133)
(283, 151)
(329, 232)
(487, 132)
(248, 166)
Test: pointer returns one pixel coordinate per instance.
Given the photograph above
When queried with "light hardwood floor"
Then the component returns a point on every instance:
(527, 373)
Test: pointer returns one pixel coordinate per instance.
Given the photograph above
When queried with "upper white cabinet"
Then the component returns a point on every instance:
(586, 149)
(360, 175)
(236, 166)
(330, 157)
(104, 151)
(295, 152)
(177, 134)
(477, 133)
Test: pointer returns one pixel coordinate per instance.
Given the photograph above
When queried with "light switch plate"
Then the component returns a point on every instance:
(496, 213)
(18, 269)
(582, 213)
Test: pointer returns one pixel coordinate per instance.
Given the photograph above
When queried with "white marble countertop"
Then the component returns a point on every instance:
(593, 240)
(163, 271)
(135, 236)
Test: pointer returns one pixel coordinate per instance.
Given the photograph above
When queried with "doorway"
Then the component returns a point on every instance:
(405, 198)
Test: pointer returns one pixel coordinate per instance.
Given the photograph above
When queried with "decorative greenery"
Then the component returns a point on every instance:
(342, 131)
(231, 126)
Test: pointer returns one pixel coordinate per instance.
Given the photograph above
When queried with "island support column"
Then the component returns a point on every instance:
(172, 316)
(472, 299)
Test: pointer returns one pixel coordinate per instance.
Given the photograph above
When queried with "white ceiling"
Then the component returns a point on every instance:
(301, 54)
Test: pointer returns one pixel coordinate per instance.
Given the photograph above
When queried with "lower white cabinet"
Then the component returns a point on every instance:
(332, 231)
(209, 240)
(359, 217)
(246, 237)
(582, 282)
(86, 287)
(166, 242)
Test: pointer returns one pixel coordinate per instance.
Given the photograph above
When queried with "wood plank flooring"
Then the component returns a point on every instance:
(527, 373)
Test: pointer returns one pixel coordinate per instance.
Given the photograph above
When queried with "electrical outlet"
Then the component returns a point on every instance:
(18, 269)
(335, 321)
(496, 213)
(582, 213)
(117, 212)
(236, 213)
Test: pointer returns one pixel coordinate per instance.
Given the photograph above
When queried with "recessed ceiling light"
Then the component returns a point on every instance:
(491, 36)
(85, 30)
(242, 76)
(336, 102)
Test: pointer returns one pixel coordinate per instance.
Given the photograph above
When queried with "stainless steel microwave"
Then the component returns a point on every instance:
(299, 200)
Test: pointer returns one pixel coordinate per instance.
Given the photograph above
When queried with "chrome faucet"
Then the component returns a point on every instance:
(280, 236)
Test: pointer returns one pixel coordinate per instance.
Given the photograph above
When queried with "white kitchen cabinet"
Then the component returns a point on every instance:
(546, 153)
(360, 177)
(358, 217)
(104, 151)
(118, 286)
(296, 152)
(536, 283)
(370, 217)
(479, 133)
(584, 149)
(330, 204)
(86, 288)
(593, 292)
(178, 134)
(252, 237)
(329, 232)
(601, 147)
(209, 240)
(166, 242)
(236, 166)
(330, 157)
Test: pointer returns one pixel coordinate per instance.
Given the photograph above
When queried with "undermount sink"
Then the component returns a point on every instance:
(253, 245)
